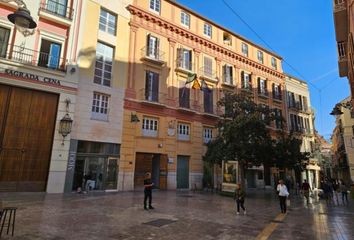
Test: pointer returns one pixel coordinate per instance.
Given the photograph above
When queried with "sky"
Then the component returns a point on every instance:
(301, 31)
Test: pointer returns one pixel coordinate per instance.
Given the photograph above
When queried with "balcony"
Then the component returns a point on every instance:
(57, 9)
(247, 89)
(277, 97)
(228, 81)
(263, 93)
(151, 97)
(155, 56)
(208, 74)
(342, 59)
(35, 58)
(211, 110)
(185, 66)
(340, 19)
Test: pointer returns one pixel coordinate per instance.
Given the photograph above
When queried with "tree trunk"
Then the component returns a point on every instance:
(242, 174)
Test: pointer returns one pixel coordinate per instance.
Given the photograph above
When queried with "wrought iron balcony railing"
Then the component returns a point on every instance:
(263, 92)
(207, 72)
(148, 95)
(58, 9)
(35, 58)
(153, 54)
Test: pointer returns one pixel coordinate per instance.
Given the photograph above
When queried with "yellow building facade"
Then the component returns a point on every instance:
(343, 144)
(102, 58)
(180, 64)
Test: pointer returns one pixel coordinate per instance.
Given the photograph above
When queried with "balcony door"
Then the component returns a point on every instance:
(4, 41)
(152, 86)
(57, 6)
(49, 55)
(153, 47)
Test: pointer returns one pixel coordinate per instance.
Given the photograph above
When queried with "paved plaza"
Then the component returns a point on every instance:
(177, 215)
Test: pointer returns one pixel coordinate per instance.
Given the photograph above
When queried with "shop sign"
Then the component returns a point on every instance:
(32, 76)
(71, 162)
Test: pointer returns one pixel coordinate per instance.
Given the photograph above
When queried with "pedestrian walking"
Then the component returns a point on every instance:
(344, 190)
(283, 193)
(240, 199)
(148, 190)
(305, 188)
(336, 189)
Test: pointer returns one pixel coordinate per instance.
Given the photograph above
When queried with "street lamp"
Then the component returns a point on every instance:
(21, 18)
(66, 122)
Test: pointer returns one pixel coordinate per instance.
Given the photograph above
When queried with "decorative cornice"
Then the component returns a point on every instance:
(141, 13)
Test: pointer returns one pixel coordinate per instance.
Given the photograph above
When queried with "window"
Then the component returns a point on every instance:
(103, 66)
(278, 119)
(152, 86)
(246, 81)
(291, 100)
(305, 105)
(49, 55)
(260, 56)
(108, 22)
(227, 39)
(227, 70)
(149, 127)
(207, 135)
(184, 58)
(208, 101)
(244, 49)
(262, 86)
(100, 106)
(184, 96)
(4, 41)
(276, 91)
(153, 47)
(207, 30)
(183, 131)
(274, 63)
(155, 5)
(208, 67)
(57, 7)
(185, 19)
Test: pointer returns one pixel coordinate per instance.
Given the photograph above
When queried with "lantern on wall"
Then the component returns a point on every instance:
(66, 122)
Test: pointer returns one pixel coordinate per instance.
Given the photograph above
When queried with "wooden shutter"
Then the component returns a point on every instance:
(230, 72)
(224, 70)
(147, 85)
(190, 60)
(273, 90)
(259, 84)
(242, 79)
(179, 57)
(279, 91)
(155, 87)
(148, 44)
(157, 48)
(250, 81)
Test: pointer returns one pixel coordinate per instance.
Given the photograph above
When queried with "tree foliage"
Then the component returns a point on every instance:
(244, 135)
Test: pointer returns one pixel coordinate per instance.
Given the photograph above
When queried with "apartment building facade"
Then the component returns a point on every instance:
(343, 13)
(38, 86)
(343, 144)
(95, 146)
(180, 65)
(300, 119)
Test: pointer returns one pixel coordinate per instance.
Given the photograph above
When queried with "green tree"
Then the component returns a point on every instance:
(287, 152)
(243, 134)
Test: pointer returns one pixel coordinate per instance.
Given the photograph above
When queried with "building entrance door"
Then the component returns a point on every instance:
(27, 122)
(182, 172)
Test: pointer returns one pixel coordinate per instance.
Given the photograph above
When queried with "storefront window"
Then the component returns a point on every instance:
(230, 172)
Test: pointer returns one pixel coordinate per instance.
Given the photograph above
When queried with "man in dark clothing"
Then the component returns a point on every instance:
(148, 190)
(306, 190)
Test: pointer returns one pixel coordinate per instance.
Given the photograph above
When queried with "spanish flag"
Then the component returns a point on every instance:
(192, 78)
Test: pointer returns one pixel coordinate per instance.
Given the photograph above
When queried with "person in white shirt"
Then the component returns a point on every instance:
(283, 194)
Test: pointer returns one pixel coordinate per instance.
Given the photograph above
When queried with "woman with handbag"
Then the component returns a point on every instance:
(283, 193)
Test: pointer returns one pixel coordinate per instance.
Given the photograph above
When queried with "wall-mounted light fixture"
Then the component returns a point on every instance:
(134, 118)
(66, 122)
